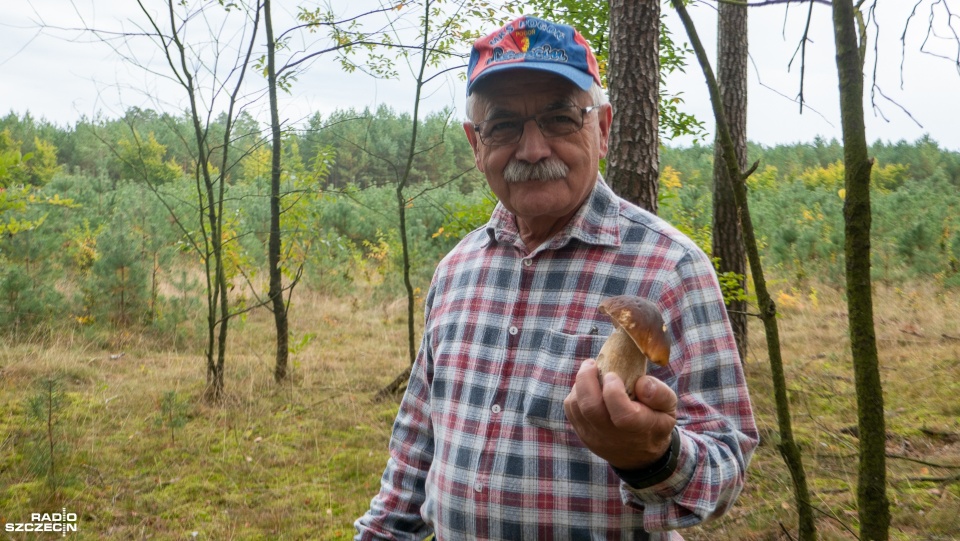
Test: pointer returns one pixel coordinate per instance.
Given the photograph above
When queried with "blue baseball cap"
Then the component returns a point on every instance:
(531, 43)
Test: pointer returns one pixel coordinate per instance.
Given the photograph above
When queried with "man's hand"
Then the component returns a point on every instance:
(629, 435)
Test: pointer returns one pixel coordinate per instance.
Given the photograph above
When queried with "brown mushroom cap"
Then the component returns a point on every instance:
(641, 320)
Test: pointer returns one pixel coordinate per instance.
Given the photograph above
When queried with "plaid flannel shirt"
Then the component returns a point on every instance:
(481, 447)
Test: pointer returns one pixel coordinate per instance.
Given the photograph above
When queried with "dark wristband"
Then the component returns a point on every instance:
(657, 472)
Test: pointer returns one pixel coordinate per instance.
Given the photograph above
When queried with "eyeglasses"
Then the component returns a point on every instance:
(553, 123)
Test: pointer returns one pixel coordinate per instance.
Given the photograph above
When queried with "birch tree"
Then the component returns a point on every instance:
(205, 49)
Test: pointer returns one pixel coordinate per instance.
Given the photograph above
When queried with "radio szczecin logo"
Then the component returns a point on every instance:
(46, 522)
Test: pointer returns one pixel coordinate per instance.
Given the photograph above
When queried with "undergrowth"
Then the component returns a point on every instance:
(145, 456)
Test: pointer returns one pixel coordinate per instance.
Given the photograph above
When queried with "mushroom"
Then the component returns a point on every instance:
(640, 335)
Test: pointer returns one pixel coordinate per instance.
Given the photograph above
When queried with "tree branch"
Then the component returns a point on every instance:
(296, 63)
(802, 48)
(950, 479)
(764, 3)
(924, 462)
(333, 23)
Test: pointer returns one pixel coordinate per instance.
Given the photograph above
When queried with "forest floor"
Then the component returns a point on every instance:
(137, 453)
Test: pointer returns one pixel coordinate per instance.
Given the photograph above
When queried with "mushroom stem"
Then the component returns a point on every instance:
(621, 356)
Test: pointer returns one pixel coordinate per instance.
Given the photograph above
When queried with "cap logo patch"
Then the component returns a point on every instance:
(544, 52)
(522, 37)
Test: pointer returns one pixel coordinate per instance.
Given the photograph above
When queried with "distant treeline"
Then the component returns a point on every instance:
(796, 198)
(89, 213)
(368, 147)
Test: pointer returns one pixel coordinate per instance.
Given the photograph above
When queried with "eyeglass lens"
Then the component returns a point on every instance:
(552, 123)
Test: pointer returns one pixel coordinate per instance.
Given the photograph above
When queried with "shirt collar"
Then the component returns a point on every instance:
(594, 223)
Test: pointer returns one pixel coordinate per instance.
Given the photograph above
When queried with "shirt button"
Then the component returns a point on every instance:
(478, 487)
(495, 408)
(513, 330)
(527, 262)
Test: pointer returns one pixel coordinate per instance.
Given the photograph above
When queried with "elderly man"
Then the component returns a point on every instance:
(506, 431)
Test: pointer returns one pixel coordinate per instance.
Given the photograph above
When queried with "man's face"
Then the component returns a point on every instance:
(521, 93)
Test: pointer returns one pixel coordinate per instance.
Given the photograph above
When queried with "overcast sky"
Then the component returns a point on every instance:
(62, 75)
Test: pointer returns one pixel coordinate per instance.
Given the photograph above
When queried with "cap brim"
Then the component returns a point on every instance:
(582, 80)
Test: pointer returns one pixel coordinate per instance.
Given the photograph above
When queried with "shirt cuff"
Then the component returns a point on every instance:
(657, 472)
(670, 487)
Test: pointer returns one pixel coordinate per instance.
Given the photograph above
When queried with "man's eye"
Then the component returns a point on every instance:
(559, 118)
(501, 126)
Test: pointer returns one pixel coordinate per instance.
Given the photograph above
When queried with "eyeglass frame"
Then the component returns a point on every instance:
(523, 123)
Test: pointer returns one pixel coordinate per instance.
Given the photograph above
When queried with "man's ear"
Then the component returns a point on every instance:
(474, 143)
(605, 119)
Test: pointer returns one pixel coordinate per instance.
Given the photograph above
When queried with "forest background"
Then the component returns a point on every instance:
(98, 251)
(101, 311)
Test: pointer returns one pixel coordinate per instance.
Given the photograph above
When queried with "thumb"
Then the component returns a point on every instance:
(656, 395)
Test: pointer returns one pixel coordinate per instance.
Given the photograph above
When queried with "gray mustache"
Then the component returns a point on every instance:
(549, 169)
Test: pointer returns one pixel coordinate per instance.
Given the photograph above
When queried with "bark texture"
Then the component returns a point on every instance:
(275, 293)
(633, 77)
(873, 506)
(727, 229)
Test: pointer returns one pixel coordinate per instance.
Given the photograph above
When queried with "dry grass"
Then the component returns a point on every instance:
(299, 461)
(302, 460)
(917, 327)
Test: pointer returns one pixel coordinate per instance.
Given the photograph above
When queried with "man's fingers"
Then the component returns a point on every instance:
(656, 395)
(621, 409)
(570, 406)
(572, 410)
(588, 393)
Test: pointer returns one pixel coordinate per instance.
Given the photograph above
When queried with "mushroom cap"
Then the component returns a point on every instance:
(642, 322)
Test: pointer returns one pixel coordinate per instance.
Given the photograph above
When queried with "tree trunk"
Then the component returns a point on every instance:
(168, 29)
(50, 439)
(407, 284)
(873, 506)
(633, 78)
(399, 382)
(402, 184)
(215, 385)
(213, 261)
(154, 272)
(273, 248)
(787, 446)
(218, 310)
(727, 231)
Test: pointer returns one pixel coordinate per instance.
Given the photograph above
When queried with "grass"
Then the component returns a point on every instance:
(917, 327)
(302, 460)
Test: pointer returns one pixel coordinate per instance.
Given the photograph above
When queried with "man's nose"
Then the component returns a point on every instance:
(533, 146)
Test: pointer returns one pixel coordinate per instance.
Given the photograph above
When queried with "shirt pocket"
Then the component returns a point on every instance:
(552, 376)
